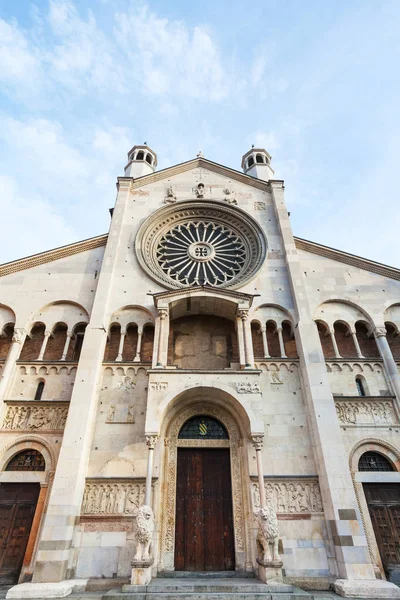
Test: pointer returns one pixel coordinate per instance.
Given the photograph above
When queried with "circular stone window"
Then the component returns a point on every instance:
(200, 243)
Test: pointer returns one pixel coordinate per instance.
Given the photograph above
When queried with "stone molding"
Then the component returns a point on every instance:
(28, 416)
(294, 496)
(365, 411)
(46, 368)
(348, 259)
(240, 506)
(355, 365)
(51, 255)
(106, 496)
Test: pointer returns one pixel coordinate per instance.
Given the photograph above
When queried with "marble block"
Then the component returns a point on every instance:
(271, 573)
(60, 589)
(366, 588)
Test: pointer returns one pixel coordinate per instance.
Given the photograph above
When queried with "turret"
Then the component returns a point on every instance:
(256, 163)
(141, 161)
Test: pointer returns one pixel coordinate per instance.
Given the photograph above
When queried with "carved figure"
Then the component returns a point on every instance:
(144, 533)
(170, 197)
(267, 536)
(126, 384)
(274, 376)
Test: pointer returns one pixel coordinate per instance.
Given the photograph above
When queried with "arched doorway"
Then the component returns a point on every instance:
(17, 510)
(204, 514)
(198, 466)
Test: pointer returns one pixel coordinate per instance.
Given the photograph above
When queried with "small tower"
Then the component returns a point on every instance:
(141, 161)
(256, 163)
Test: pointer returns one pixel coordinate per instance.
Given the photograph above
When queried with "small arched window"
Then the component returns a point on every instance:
(39, 390)
(27, 460)
(250, 162)
(259, 158)
(203, 427)
(149, 159)
(140, 156)
(373, 461)
(360, 387)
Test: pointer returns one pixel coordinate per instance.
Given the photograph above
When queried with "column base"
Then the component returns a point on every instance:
(366, 588)
(61, 589)
(140, 574)
(270, 572)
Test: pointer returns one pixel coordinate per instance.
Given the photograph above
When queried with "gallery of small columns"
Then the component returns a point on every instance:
(345, 331)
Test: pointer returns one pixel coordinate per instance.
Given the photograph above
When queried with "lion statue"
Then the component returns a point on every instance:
(267, 536)
(144, 533)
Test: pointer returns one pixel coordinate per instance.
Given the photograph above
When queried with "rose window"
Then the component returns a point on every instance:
(199, 243)
(199, 253)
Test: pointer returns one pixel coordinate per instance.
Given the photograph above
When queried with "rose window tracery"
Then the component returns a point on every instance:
(200, 243)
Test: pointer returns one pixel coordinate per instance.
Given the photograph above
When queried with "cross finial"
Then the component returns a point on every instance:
(252, 145)
(145, 143)
(200, 154)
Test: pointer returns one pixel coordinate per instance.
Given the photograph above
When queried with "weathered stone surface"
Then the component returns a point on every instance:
(60, 589)
(367, 588)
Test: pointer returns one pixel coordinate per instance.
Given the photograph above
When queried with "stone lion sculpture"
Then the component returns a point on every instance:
(267, 536)
(144, 533)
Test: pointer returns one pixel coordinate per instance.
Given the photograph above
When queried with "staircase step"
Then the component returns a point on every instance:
(207, 596)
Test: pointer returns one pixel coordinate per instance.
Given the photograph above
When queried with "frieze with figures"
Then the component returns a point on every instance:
(290, 496)
(28, 416)
(112, 497)
(368, 412)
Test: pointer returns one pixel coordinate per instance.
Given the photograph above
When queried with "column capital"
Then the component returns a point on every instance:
(243, 313)
(379, 332)
(151, 441)
(140, 329)
(257, 441)
(279, 328)
(70, 334)
(163, 313)
(47, 333)
(18, 335)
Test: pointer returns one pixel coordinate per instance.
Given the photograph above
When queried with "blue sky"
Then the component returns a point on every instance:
(314, 82)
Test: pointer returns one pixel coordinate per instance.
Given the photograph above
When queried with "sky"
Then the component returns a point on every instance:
(316, 83)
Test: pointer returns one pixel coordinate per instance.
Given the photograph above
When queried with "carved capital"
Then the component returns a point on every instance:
(163, 313)
(18, 335)
(243, 313)
(257, 441)
(140, 330)
(151, 441)
(379, 332)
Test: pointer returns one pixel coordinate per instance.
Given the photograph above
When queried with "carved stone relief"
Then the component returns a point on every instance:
(158, 386)
(290, 497)
(126, 384)
(246, 387)
(368, 412)
(112, 498)
(30, 416)
(259, 205)
(120, 413)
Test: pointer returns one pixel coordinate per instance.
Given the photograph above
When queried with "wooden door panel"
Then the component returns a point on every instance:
(384, 506)
(204, 521)
(15, 526)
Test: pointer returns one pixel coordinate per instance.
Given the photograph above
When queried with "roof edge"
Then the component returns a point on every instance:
(347, 258)
(49, 255)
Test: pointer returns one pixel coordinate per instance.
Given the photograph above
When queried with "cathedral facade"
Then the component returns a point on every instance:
(200, 360)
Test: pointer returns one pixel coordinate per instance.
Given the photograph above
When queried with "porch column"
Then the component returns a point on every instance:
(247, 341)
(388, 360)
(121, 345)
(334, 343)
(162, 354)
(66, 346)
(356, 344)
(281, 344)
(151, 441)
(44, 344)
(257, 441)
(139, 344)
(265, 342)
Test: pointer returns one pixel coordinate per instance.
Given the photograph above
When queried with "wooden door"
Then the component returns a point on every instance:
(204, 516)
(17, 508)
(384, 506)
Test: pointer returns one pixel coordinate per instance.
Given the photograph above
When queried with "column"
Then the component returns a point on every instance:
(388, 360)
(18, 340)
(139, 344)
(257, 441)
(162, 352)
(239, 331)
(44, 344)
(121, 345)
(66, 346)
(151, 441)
(265, 342)
(281, 344)
(356, 344)
(334, 343)
(247, 341)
